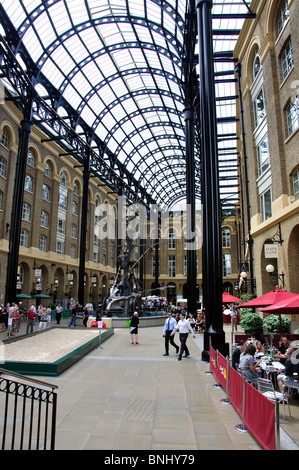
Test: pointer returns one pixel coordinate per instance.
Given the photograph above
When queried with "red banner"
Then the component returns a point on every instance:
(235, 390)
(259, 417)
(213, 362)
(222, 370)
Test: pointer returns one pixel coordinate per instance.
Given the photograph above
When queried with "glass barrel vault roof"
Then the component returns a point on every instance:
(118, 63)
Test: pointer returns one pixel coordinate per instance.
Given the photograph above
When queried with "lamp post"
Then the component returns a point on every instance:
(270, 270)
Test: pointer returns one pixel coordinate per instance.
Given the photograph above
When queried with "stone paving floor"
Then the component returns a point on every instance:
(129, 397)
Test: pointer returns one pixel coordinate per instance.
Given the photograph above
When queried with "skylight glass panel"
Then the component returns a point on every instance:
(91, 40)
(153, 12)
(33, 45)
(75, 49)
(52, 73)
(80, 82)
(63, 60)
(60, 17)
(78, 12)
(44, 27)
(107, 66)
(93, 73)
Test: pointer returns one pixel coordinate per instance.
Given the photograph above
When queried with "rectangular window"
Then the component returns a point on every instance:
(44, 219)
(171, 266)
(226, 238)
(296, 184)
(62, 202)
(43, 243)
(259, 107)
(293, 115)
(287, 60)
(61, 226)
(26, 211)
(59, 247)
(73, 252)
(266, 204)
(263, 156)
(227, 268)
(24, 238)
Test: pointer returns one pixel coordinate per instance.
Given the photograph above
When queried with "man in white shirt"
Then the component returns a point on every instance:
(168, 333)
(184, 328)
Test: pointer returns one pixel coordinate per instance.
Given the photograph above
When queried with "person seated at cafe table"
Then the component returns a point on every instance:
(236, 355)
(248, 365)
(282, 351)
(291, 365)
(260, 350)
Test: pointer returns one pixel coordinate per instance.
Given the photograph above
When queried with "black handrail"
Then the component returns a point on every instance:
(33, 422)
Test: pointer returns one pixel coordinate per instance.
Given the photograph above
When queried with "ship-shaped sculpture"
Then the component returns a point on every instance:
(126, 294)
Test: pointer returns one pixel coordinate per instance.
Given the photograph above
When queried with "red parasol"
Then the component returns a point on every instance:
(288, 306)
(272, 297)
(229, 299)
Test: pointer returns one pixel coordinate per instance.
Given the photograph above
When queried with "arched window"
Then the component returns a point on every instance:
(256, 65)
(76, 188)
(48, 170)
(5, 138)
(63, 180)
(30, 158)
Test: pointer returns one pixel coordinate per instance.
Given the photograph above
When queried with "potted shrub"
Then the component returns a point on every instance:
(272, 324)
(251, 322)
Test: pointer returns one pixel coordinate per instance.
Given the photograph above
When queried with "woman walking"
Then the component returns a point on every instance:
(134, 328)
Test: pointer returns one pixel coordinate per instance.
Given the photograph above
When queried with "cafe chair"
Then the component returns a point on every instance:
(265, 386)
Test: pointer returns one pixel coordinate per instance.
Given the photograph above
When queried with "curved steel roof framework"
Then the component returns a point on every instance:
(113, 70)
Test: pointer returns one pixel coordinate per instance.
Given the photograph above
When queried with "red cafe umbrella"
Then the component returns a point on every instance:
(288, 306)
(229, 299)
(272, 297)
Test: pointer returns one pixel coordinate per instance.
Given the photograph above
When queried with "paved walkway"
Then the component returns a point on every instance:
(125, 397)
(129, 397)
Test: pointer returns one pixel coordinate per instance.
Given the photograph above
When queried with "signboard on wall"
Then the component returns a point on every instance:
(271, 251)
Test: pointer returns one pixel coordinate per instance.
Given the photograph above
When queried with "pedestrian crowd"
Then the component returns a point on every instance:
(13, 314)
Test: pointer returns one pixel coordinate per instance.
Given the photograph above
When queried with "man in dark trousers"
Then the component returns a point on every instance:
(184, 328)
(168, 333)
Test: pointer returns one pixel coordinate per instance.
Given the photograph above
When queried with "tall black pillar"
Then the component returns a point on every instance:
(191, 225)
(17, 204)
(212, 248)
(82, 256)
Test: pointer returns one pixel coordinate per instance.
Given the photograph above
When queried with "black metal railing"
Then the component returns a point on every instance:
(28, 413)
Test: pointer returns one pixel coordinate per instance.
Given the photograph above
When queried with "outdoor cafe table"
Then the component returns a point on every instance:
(272, 368)
(289, 383)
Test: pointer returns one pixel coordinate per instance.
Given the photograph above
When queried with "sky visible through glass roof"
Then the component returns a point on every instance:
(119, 64)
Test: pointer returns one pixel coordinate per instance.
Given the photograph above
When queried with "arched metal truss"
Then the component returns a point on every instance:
(107, 80)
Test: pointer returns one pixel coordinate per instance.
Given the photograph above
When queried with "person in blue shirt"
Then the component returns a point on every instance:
(168, 333)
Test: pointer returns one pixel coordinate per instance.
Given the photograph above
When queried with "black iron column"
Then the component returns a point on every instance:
(82, 256)
(191, 225)
(212, 248)
(17, 204)
(238, 69)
